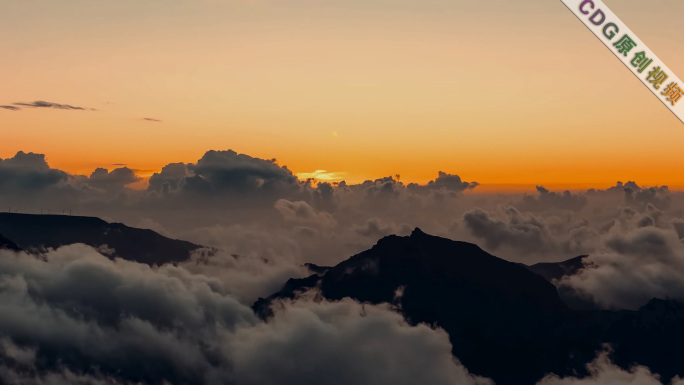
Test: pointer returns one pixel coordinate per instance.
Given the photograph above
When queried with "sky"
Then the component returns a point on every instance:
(503, 93)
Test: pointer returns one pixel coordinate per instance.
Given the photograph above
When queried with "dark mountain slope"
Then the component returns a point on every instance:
(504, 321)
(556, 270)
(38, 232)
(8, 244)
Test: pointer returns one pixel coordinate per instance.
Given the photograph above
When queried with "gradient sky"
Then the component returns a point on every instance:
(501, 92)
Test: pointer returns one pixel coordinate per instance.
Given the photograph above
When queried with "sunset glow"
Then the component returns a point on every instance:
(356, 88)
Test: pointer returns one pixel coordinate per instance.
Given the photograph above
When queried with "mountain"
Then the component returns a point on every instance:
(504, 321)
(556, 270)
(39, 232)
(495, 311)
(8, 244)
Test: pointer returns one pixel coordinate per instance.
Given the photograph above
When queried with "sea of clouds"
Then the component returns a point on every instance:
(75, 316)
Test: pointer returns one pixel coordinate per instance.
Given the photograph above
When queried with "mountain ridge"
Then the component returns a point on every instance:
(504, 321)
(38, 232)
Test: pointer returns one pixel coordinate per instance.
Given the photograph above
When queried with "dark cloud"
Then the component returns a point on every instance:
(324, 196)
(75, 316)
(602, 371)
(188, 323)
(302, 212)
(346, 343)
(151, 120)
(11, 108)
(547, 200)
(219, 172)
(116, 179)
(445, 182)
(170, 178)
(28, 173)
(519, 230)
(636, 195)
(631, 267)
(44, 104)
(376, 228)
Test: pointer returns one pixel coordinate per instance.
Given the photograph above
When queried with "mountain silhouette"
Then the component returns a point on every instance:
(40, 232)
(504, 321)
(8, 244)
(556, 270)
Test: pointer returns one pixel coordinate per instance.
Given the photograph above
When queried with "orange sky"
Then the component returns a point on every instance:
(500, 92)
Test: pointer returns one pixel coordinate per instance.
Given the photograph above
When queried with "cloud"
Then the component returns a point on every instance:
(632, 267)
(302, 212)
(602, 371)
(446, 182)
(151, 120)
(635, 195)
(228, 188)
(376, 228)
(170, 178)
(116, 179)
(520, 230)
(28, 173)
(345, 343)
(11, 108)
(83, 311)
(547, 200)
(44, 104)
(227, 173)
(76, 316)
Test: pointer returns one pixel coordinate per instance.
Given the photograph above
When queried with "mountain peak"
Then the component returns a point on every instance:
(417, 232)
(438, 279)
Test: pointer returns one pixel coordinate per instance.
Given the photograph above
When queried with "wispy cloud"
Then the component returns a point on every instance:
(151, 120)
(11, 108)
(44, 104)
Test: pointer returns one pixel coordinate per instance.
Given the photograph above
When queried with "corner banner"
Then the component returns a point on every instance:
(633, 53)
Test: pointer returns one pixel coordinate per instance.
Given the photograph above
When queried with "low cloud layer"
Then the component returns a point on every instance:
(79, 317)
(286, 222)
(603, 372)
(104, 322)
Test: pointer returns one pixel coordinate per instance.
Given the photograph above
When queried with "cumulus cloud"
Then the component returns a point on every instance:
(346, 343)
(521, 230)
(44, 104)
(547, 200)
(376, 228)
(169, 179)
(302, 212)
(27, 173)
(226, 188)
(444, 181)
(186, 320)
(115, 179)
(227, 171)
(76, 316)
(602, 371)
(631, 268)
